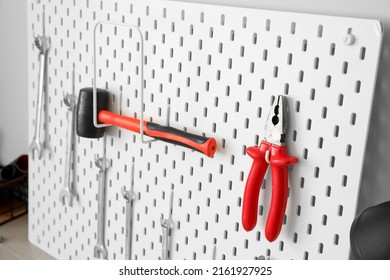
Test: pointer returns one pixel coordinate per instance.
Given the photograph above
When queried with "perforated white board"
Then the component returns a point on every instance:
(219, 68)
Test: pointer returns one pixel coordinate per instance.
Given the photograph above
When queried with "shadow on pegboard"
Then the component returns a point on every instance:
(376, 175)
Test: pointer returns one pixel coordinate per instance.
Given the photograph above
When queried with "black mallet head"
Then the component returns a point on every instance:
(84, 112)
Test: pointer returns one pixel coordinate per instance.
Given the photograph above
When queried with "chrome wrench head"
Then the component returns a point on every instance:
(101, 163)
(127, 195)
(70, 101)
(100, 252)
(42, 44)
(36, 145)
(66, 194)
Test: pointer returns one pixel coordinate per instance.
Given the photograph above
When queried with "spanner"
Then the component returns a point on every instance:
(42, 44)
(100, 250)
(67, 190)
(166, 225)
(129, 197)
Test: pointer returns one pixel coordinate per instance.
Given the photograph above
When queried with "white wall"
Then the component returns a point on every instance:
(13, 79)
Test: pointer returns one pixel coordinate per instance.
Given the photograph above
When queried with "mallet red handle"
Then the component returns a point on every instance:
(207, 146)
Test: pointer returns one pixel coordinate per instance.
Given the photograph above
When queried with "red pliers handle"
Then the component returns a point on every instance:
(279, 161)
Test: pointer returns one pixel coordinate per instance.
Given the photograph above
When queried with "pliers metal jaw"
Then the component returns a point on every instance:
(272, 151)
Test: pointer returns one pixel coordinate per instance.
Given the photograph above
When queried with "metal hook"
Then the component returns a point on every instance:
(132, 26)
(214, 253)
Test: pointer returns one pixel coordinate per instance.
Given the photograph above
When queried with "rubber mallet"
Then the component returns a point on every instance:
(86, 128)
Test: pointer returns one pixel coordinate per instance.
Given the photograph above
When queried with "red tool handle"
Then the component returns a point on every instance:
(279, 161)
(207, 146)
(253, 184)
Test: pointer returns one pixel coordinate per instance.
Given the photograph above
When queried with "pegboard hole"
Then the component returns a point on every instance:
(249, 95)
(312, 94)
(299, 209)
(254, 39)
(324, 220)
(211, 32)
(289, 58)
(316, 172)
(251, 67)
(294, 136)
(278, 42)
(362, 55)
(340, 210)
(244, 22)
(316, 63)
(345, 67)
(302, 182)
(320, 143)
(305, 153)
(268, 25)
(358, 85)
(220, 47)
(295, 237)
(261, 210)
(313, 201)
(297, 106)
(328, 191)
(301, 76)
(332, 161)
(324, 112)
(320, 248)
(222, 19)
(202, 17)
(336, 131)
(262, 84)
(259, 112)
(332, 49)
(265, 54)
(246, 243)
(328, 81)
(293, 27)
(344, 180)
(336, 239)
(308, 124)
(281, 246)
(304, 45)
(320, 31)
(276, 71)
(353, 119)
(286, 88)
(348, 150)
(340, 101)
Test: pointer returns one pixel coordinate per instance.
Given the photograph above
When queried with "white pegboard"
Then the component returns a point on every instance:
(219, 68)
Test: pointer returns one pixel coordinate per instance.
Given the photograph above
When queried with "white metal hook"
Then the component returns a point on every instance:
(133, 27)
(141, 80)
